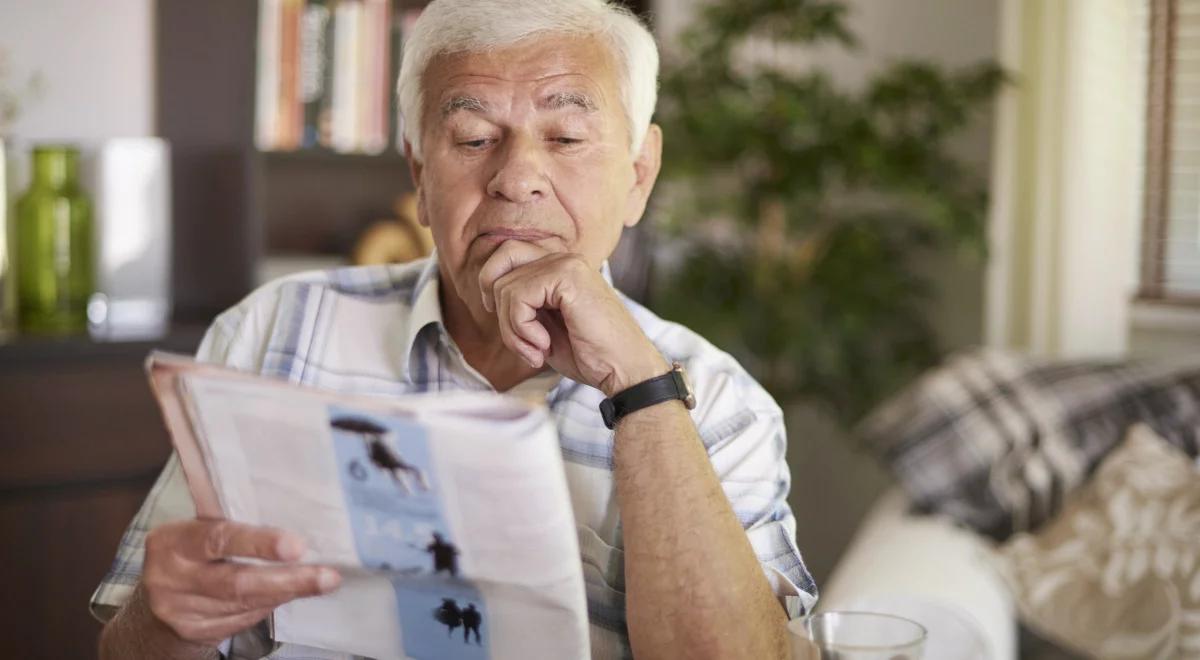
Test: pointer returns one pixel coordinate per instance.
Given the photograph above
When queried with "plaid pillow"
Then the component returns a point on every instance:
(997, 440)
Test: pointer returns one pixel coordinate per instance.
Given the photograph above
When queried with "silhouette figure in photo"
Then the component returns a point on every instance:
(445, 555)
(471, 620)
(381, 454)
(449, 615)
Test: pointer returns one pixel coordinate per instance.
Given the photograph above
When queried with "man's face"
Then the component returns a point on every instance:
(527, 143)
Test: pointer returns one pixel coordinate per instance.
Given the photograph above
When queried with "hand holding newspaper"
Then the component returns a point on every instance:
(448, 515)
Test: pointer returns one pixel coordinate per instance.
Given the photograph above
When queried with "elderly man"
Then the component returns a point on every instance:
(528, 130)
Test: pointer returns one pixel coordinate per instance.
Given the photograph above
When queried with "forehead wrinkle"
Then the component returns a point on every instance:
(592, 94)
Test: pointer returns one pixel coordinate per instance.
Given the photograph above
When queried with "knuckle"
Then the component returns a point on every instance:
(502, 283)
(241, 591)
(154, 576)
(164, 611)
(156, 540)
(157, 604)
(216, 539)
(574, 262)
(187, 630)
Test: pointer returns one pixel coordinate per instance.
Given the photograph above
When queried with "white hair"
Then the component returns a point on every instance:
(468, 26)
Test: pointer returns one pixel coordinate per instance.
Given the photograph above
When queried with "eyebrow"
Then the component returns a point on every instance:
(560, 100)
(555, 101)
(457, 103)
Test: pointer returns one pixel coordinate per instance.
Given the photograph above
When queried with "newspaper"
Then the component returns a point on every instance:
(448, 515)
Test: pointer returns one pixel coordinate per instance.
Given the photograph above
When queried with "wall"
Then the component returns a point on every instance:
(95, 59)
(834, 482)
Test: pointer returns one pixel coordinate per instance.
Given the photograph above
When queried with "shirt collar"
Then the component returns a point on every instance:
(426, 310)
(427, 307)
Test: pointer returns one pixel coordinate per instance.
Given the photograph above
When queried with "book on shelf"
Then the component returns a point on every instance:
(326, 75)
(287, 131)
(266, 101)
(315, 72)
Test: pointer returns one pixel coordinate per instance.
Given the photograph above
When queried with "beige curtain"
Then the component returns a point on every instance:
(1066, 177)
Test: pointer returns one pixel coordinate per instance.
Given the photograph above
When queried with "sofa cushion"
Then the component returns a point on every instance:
(1115, 574)
(998, 441)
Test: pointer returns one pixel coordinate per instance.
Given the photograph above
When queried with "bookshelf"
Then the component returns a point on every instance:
(236, 207)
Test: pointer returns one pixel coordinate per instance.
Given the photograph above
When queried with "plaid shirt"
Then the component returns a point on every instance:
(379, 330)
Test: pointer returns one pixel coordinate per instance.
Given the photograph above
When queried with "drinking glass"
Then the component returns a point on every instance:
(857, 636)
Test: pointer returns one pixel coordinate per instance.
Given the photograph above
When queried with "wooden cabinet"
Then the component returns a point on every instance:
(81, 442)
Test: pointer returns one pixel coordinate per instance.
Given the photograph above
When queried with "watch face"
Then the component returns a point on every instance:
(689, 399)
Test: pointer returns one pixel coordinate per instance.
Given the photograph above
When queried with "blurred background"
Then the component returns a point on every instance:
(856, 189)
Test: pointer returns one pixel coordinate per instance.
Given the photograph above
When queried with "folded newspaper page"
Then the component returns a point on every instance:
(448, 515)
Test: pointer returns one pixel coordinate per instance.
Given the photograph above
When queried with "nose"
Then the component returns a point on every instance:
(520, 177)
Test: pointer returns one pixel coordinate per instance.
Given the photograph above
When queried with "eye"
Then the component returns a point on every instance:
(474, 144)
(566, 141)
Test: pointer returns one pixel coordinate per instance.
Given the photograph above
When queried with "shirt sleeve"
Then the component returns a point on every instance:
(742, 430)
(169, 499)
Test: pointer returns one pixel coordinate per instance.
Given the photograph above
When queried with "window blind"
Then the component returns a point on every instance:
(1171, 195)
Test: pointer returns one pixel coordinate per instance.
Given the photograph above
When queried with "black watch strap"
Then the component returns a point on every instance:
(670, 386)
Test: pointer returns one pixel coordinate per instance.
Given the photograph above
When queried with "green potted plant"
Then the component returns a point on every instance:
(801, 209)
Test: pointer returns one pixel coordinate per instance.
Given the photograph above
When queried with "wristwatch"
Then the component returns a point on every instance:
(670, 386)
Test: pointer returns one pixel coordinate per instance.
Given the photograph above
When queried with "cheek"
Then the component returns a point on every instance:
(450, 195)
(592, 193)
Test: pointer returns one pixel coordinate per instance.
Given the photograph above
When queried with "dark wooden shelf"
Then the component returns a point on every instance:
(389, 158)
(22, 350)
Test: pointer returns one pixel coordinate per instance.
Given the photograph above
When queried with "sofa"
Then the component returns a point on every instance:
(1041, 509)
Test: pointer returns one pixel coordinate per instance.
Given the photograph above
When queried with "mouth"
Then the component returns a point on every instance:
(500, 235)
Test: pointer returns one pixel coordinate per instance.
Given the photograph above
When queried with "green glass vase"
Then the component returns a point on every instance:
(52, 246)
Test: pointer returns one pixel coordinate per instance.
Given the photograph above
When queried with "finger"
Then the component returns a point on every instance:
(517, 320)
(213, 630)
(507, 258)
(518, 300)
(561, 356)
(222, 539)
(527, 351)
(560, 340)
(251, 587)
(188, 606)
(201, 605)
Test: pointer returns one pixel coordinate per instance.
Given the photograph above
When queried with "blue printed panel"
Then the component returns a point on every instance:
(441, 618)
(391, 492)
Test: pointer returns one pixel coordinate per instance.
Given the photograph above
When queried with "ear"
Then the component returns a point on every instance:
(645, 168)
(415, 168)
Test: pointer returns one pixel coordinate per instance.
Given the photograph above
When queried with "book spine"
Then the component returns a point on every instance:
(289, 93)
(345, 65)
(362, 72)
(313, 65)
(266, 101)
(325, 112)
(375, 135)
(396, 48)
(383, 67)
